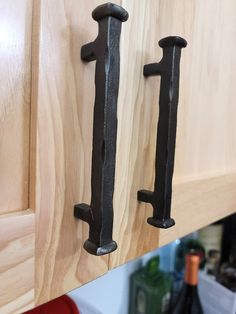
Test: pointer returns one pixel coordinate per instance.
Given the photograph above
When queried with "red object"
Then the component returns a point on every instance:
(62, 305)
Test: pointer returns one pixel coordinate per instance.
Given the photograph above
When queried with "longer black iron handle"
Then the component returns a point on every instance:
(105, 50)
(168, 69)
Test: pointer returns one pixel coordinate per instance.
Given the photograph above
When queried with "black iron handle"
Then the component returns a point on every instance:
(168, 69)
(105, 50)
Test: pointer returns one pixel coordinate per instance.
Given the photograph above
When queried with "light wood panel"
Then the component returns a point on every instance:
(64, 142)
(206, 134)
(17, 263)
(15, 76)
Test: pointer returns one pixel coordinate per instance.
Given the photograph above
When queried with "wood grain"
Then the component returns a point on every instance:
(17, 263)
(64, 142)
(15, 76)
(206, 134)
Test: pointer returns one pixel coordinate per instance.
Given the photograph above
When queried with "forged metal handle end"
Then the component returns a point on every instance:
(100, 14)
(105, 50)
(93, 249)
(168, 69)
(148, 197)
(110, 9)
(172, 41)
(84, 212)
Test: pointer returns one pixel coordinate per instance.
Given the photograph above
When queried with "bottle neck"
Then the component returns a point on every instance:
(191, 271)
(152, 267)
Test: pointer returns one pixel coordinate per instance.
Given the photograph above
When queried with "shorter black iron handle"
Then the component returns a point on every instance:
(168, 69)
(105, 50)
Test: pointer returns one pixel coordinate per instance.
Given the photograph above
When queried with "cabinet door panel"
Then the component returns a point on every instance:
(65, 100)
(206, 135)
(205, 162)
(15, 77)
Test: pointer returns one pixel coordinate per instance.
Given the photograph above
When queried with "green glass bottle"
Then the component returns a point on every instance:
(150, 290)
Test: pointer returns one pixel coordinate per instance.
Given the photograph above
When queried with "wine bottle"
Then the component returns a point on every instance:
(188, 301)
(187, 244)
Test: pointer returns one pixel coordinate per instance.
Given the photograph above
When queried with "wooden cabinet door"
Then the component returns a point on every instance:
(64, 96)
(204, 188)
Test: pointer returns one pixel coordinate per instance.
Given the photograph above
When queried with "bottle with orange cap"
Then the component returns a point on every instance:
(188, 301)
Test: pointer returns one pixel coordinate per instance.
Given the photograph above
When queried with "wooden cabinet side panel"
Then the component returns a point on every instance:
(15, 91)
(65, 100)
(17, 263)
